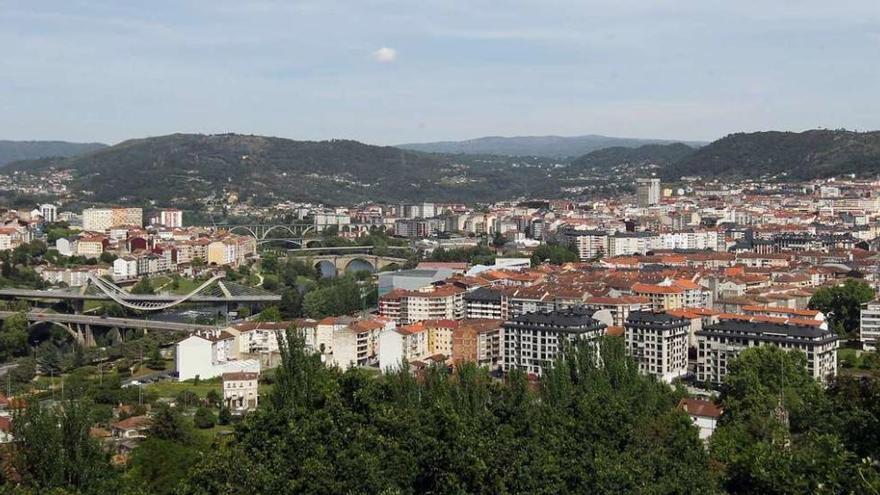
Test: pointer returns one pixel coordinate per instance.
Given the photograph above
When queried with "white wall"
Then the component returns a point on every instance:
(390, 350)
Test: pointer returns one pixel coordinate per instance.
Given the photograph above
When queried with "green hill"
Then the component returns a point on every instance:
(797, 155)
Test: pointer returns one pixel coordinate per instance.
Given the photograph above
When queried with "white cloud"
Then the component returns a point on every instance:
(385, 55)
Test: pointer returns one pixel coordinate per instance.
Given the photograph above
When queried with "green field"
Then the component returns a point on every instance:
(170, 388)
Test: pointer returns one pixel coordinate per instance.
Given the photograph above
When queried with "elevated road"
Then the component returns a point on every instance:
(155, 298)
(100, 321)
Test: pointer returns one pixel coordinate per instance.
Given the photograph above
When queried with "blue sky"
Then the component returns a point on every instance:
(389, 72)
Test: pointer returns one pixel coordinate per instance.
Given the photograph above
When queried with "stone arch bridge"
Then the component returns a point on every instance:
(342, 261)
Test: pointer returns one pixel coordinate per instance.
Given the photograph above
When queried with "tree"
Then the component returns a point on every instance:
(291, 303)
(213, 397)
(154, 359)
(773, 437)
(225, 416)
(269, 314)
(554, 254)
(269, 263)
(158, 465)
(204, 418)
(270, 282)
(143, 287)
(53, 450)
(842, 304)
(465, 432)
(167, 425)
(107, 257)
(14, 337)
(187, 398)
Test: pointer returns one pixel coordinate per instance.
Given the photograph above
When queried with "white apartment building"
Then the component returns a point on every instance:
(101, 219)
(171, 217)
(533, 340)
(707, 239)
(658, 342)
(125, 267)
(591, 244)
(869, 326)
(49, 212)
(209, 354)
(402, 344)
(428, 303)
(719, 344)
(629, 243)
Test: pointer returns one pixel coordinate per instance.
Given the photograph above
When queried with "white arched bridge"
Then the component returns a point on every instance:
(213, 291)
(293, 234)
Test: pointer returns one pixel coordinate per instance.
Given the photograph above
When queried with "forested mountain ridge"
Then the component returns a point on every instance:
(179, 167)
(545, 146)
(797, 155)
(11, 151)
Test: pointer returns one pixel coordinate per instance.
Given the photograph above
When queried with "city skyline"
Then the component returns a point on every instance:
(391, 72)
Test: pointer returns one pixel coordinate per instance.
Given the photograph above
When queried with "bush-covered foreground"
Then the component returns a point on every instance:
(585, 428)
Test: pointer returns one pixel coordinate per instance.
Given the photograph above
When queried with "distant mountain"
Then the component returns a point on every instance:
(11, 151)
(546, 146)
(798, 155)
(180, 168)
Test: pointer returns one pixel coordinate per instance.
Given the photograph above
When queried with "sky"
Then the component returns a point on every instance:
(389, 72)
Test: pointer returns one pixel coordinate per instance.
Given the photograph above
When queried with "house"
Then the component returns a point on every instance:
(703, 413)
(241, 391)
(135, 427)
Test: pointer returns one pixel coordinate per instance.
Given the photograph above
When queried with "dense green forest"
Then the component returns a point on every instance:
(588, 426)
(798, 155)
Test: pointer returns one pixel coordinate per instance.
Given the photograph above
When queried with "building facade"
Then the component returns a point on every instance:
(532, 341)
(658, 342)
(719, 344)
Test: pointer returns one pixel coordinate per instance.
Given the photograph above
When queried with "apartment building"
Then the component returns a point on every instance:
(869, 326)
(428, 303)
(171, 217)
(629, 243)
(401, 345)
(591, 244)
(532, 341)
(91, 246)
(101, 219)
(660, 297)
(719, 344)
(486, 303)
(658, 342)
(478, 341)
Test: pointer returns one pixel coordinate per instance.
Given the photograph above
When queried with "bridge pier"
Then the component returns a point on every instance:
(89, 337)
